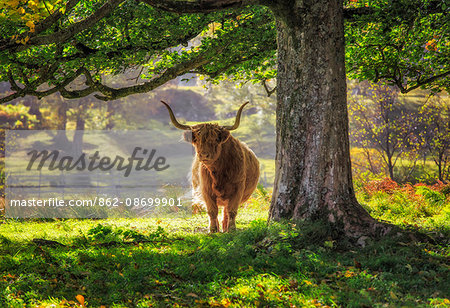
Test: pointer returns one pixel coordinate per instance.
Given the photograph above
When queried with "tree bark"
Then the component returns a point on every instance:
(61, 137)
(390, 166)
(78, 136)
(34, 110)
(439, 164)
(110, 112)
(313, 178)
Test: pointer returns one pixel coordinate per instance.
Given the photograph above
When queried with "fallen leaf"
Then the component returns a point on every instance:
(393, 296)
(226, 302)
(80, 299)
(192, 295)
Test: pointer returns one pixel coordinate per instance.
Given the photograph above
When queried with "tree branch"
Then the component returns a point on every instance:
(30, 89)
(77, 27)
(12, 82)
(10, 98)
(65, 34)
(202, 6)
(50, 20)
(424, 82)
(353, 13)
(169, 74)
(107, 93)
(40, 27)
(268, 91)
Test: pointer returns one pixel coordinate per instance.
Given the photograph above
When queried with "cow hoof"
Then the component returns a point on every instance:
(231, 228)
(213, 230)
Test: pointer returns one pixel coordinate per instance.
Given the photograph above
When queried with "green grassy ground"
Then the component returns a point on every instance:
(175, 262)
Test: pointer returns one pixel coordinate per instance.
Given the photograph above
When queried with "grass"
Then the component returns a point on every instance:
(174, 262)
(426, 208)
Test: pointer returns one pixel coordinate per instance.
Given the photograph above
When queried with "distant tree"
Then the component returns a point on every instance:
(378, 122)
(34, 109)
(434, 134)
(16, 117)
(61, 121)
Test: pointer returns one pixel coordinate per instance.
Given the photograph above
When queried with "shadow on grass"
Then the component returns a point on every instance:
(261, 266)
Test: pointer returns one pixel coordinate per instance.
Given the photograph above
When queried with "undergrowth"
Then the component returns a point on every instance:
(425, 207)
(174, 262)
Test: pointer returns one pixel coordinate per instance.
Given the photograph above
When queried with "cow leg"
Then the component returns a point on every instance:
(232, 209)
(225, 220)
(213, 221)
(213, 211)
(231, 221)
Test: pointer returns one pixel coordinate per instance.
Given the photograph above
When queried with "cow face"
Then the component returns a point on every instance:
(207, 140)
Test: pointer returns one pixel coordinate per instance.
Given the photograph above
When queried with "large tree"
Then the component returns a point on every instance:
(46, 46)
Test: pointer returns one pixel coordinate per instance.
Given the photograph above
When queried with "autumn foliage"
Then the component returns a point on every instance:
(386, 185)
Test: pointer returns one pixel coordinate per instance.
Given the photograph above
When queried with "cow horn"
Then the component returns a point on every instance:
(238, 119)
(174, 120)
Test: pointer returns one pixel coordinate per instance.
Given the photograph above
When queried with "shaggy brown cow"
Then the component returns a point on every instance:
(225, 171)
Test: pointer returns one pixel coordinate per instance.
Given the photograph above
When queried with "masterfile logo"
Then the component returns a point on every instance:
(94, 161)
(102, 174)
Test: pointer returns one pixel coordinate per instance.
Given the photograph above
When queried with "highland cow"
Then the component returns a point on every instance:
(225, 171)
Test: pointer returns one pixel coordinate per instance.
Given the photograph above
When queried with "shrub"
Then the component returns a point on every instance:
(385, 185)
(432, 196)
(16, 117)
(446, 190)
(422, 204)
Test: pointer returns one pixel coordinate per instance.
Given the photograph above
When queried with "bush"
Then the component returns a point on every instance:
(433, 197)
(16, 117)
(385, 185)
(446, 190)
(427, 205)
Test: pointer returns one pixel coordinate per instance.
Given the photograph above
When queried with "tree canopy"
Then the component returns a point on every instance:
(46, 45)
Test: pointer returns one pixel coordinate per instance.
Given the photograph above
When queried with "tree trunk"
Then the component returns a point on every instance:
(390, 166)
(34, 110)
(110, 112)
(313, 178)
(61, 137)
(439, 164)
(78, 136)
